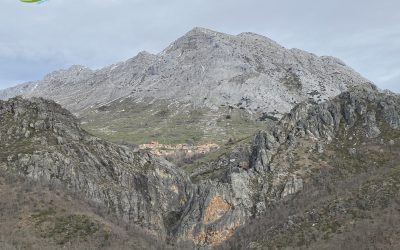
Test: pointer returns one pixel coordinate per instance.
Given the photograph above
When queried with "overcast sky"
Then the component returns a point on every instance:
(36, 39)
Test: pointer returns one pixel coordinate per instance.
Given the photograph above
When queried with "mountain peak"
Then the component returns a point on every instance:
(255, 36)
(201, 30)
(199, 33)
(206, 68)
(144, 53)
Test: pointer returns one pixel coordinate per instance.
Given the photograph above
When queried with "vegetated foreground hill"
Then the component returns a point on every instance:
(350, 184)
(44, 216)
(343, 158)
(205, 87)
(43, 142)
(341, 153)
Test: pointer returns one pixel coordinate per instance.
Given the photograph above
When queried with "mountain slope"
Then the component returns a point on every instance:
(41, 216)
(347, 173)
(350, 142)
(207, 86)
(349, 134)
(42, 141)
(207, 70)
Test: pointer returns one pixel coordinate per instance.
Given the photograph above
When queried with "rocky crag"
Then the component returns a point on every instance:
(341, 134)
(343, 155)
(42, 141)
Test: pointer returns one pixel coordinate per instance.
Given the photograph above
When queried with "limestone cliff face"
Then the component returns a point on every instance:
(204, 68)
(277, 163)
(321, 123)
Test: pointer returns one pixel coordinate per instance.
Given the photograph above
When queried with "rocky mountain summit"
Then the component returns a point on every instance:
(44, 142)
(203, 70)
(206, 68)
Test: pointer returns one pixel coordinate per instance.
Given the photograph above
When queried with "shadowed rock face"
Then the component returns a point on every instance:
(43, 141)
(204, 68)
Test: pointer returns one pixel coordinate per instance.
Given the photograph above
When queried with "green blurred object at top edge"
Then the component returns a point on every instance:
(30, 1)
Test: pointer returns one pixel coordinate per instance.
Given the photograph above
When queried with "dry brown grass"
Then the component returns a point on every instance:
(41, 216)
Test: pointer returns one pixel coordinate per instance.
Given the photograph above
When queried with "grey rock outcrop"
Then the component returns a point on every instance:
(322, 122)
(43, 141)
(272, 173)
(20, 89)
(372, 128)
